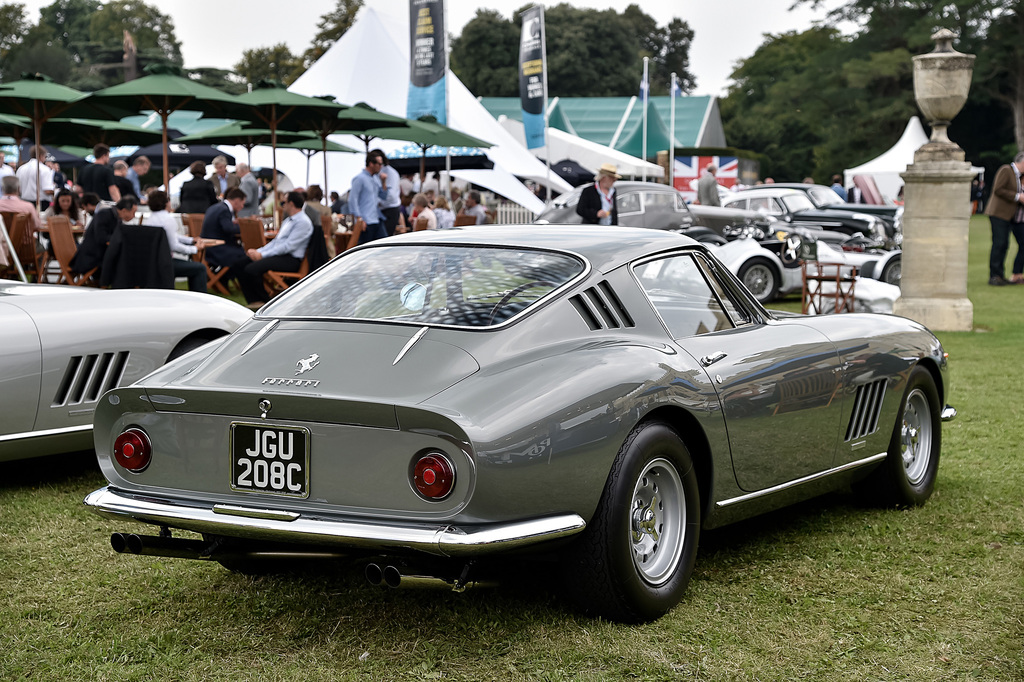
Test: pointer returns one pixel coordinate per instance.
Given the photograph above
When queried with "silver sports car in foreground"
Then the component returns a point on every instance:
(64, 346)
(438, 402)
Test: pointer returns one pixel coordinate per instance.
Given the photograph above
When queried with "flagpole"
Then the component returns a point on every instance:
(672, 132)
(547, 138)
(447, 122)
(645, 85)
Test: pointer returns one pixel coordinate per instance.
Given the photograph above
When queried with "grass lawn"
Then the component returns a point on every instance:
(828, 590)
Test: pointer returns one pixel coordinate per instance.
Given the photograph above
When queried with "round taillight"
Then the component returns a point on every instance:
(433, 476)
(132, 450)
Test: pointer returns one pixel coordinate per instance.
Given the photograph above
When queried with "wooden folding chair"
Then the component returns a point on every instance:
(194, 223)
(279, 280)
(357, 231)
(462, 220)
(421, 224)
(63, 240)
(251, 232)
(19, 227)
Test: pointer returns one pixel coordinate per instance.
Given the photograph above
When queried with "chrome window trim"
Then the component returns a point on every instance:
(800, 481)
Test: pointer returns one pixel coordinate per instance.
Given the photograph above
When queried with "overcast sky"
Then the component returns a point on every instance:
(215, 34)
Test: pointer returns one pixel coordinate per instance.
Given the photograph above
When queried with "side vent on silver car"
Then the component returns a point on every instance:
(600, 308)
(87, 377)
(866, 408)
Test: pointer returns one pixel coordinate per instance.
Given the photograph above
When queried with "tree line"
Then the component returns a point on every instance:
(807, 103)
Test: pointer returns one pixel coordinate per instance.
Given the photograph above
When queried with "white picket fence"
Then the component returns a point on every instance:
(513, 214)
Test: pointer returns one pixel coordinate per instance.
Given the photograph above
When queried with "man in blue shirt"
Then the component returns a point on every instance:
(390, 208)
(365, 196)
(284, 253)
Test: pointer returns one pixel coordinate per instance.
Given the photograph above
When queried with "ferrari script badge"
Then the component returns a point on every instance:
(306, 364)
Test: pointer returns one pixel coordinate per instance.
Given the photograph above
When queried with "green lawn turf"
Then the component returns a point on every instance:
(828, 590)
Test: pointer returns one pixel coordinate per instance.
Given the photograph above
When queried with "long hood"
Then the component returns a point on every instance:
(350, 361)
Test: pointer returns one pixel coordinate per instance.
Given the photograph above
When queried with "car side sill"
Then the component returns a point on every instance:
(800, 481)
(46, 433)
(262, 524)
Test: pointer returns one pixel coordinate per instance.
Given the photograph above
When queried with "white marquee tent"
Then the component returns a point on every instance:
(590, 155)
(370, 63)
(886, 168)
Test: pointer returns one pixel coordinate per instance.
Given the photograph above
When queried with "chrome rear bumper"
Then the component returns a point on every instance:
(271, 525)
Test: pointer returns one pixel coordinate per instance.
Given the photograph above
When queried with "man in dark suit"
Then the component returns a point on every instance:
(196, 194)
(598, 204)
(1006, 214)
(97, 235)
(220, 222)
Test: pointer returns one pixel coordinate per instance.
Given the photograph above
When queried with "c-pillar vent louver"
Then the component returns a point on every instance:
(87, 377)
(867, 406)
(600, 308)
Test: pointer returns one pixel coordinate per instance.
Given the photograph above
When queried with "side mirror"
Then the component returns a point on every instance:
(414, 296)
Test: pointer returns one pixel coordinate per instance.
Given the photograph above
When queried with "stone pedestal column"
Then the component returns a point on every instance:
(937, 198)
(937, 211)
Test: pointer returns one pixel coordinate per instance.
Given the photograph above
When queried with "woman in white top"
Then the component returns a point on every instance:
(423, 211)
(177, 242)
(445, 217)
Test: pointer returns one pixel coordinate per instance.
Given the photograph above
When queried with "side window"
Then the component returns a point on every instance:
(775, 208)
(736, 203)
(682, 296)
(761, 204)
(659, 200)
(736, 311)
(629, 203)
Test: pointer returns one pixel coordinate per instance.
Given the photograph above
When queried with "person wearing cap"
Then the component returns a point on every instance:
(598, 204)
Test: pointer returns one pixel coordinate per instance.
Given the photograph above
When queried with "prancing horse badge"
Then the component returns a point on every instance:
(306, 364)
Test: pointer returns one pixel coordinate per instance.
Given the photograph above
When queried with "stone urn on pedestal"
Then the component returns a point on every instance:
(936, 193)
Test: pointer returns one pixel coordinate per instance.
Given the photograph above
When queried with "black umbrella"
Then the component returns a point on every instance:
(180, 155)
(572, 172)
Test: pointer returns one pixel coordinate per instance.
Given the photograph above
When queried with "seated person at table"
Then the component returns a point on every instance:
(220, 222)
(94, 242)
(12, 202)
(284, 253)
(66, 204)
(197, 194)
(423, 210)
(472, 207)
(178, 243)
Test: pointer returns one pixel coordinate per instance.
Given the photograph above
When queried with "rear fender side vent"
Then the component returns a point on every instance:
(87, 377)
(867, 407)
(600, 308)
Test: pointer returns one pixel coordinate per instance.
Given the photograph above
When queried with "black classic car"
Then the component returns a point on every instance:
(660, 207)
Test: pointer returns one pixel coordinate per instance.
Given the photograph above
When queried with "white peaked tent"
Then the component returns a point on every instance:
(370, 63)
(886, 168)
(590, 155)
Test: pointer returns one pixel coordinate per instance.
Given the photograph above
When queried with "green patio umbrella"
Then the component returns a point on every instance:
(239, 133)
(311, 146)
(426, 132)
(278, 109)
(37, 98)
(164, 90)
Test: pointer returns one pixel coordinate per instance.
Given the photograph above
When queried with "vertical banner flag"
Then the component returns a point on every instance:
(428, 63)
(533, 77)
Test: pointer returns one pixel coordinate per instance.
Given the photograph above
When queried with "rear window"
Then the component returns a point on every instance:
(462, 286)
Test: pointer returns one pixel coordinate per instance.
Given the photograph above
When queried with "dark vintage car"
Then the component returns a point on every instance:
(657, 206)
(440, 402)
(825, 198)
(794, 206)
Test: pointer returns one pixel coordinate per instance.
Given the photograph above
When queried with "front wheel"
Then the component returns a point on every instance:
(892, 273)
(634, 560)
(907, 476)
(759, 276)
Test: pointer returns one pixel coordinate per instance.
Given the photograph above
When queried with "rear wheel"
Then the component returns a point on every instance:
(893, 271)
(907, 476)
(635, 558)
(759, 276)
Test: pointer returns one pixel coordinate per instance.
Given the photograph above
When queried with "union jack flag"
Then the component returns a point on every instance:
(688, 169)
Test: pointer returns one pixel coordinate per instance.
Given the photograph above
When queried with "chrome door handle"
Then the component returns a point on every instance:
(709, 360)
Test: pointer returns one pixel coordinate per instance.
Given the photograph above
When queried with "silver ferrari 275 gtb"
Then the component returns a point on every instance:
(437, 402)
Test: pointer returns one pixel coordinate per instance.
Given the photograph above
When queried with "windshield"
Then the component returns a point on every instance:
(824, 196)
(796, 202)
(463, 286)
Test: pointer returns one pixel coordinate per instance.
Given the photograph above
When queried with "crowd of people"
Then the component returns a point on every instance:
(108, 195)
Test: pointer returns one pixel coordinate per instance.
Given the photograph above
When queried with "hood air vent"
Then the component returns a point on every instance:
(866, 408)
(87, 377)
(600, 308)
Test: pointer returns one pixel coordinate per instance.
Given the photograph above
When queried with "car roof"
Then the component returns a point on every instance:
(769, 190)
(605, 247)
(631, 185)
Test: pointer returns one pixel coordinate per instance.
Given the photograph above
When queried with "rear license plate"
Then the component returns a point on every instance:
(270, 459)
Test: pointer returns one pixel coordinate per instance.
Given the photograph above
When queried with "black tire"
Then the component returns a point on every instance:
(892, 273)
(907, 476)
(761, 278)
(634, 560)
(187, 345)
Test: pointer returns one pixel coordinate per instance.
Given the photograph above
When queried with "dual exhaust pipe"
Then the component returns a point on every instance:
(395, 578)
